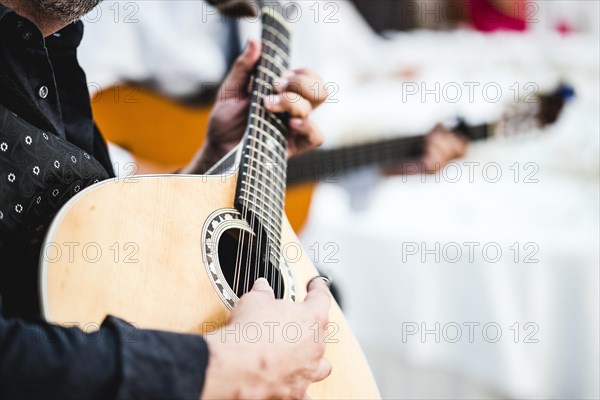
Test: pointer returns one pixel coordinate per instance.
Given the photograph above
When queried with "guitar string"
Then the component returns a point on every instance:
(269, 66)
(250, 157)
(256, 110)
(272, 170)
(278, 206)
(257, 121)
(245, 201)
(253, 158)
(281, 204)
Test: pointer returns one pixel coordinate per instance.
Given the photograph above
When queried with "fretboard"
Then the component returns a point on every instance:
(263, 164)
(327, 166)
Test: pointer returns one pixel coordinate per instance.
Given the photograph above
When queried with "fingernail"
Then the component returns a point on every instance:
(274, 99)
(288, 74)
(322, 278)
(296, 122)
(262, 285)
(249, 46)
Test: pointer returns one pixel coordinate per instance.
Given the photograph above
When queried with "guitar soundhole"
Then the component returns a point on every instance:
(243, 263)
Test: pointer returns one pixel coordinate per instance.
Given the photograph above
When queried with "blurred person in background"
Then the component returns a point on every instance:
(143, 56)
(406, 15)
(493, 15)
(560, 293)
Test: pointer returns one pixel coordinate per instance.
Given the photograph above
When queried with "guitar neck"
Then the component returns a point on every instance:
(326, 165)
(260, 193)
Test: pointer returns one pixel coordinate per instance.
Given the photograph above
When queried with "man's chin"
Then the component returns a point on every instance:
(64, 10)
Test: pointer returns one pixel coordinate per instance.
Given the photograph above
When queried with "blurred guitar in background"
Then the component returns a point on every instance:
(141, 121)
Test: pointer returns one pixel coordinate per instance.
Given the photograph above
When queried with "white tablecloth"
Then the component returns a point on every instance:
(388, 289)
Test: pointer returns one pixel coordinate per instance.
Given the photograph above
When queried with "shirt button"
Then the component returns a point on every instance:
(43, 93)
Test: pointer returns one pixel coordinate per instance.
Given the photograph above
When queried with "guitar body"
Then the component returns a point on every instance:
(138, 249)
(140, 121)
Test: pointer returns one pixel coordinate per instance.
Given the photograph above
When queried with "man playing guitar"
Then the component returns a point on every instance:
(45, 116)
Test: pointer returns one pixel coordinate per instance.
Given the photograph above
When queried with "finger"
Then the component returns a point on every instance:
(304, 135)
(305, 83)
(262, 286)
(436, 153)
(447, 142)
(461, 146)
(453, 146)
(238, 78)
(432, 162)
(318, 299)
(292, 103)
(322, 371)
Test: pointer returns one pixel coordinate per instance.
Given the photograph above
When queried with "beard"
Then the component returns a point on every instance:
(65, 10)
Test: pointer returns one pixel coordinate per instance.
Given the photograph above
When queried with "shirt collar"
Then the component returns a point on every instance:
(67, 38)
(4, 10)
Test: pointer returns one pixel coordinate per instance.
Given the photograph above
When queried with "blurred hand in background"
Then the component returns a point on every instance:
(441, 147)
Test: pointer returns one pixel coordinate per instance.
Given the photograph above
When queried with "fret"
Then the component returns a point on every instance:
(273, 46)
(277, 199)
(275, 141)
(275, 20)
(283, 39)
(266, 161)
(267, 128)
(262, 84)
(267, 219)
(276, 191)
(261, 202)
(259, 171)
(261, 209)
(279, 63)
(268, 72)
(253, 177)
(273, 130)
(259, 95)
(260, 164)
(281, 128)
(280, 156)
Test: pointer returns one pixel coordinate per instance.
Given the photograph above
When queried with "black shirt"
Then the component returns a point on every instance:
(49, 150)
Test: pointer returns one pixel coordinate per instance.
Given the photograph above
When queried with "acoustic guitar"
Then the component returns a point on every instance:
(139, 120)
(177, 252)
